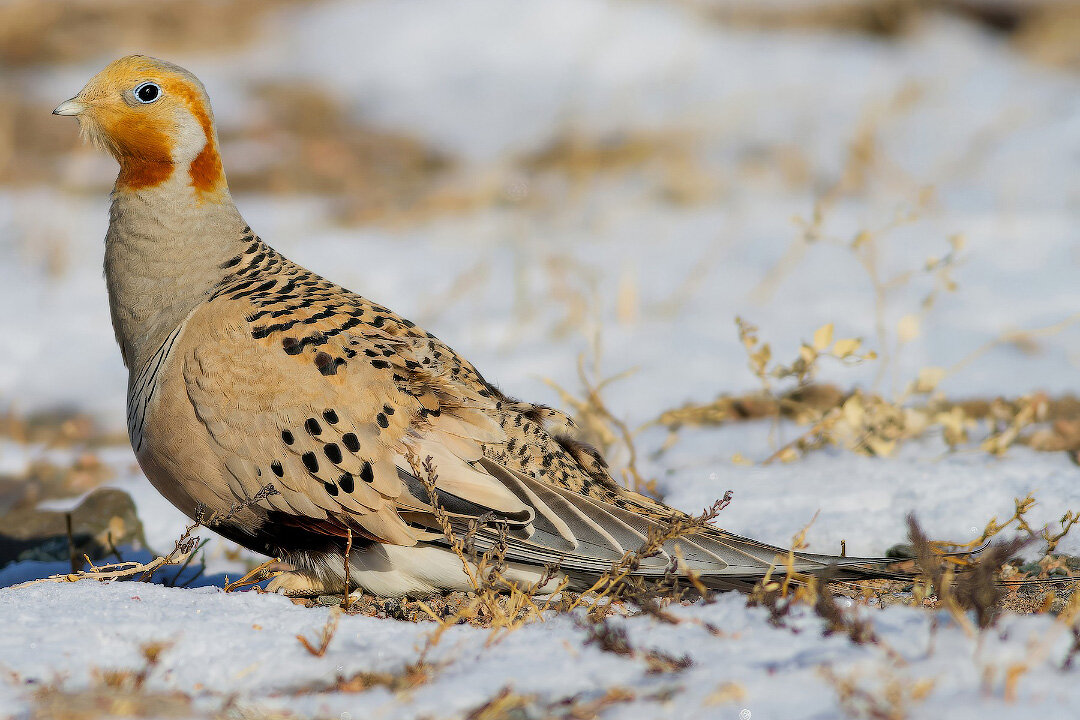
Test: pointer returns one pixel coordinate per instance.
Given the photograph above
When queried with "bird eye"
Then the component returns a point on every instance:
(148, 92)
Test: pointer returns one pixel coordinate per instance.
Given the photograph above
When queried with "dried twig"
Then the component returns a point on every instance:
(181, 554)
(497, 602)
(325, 635)
(348, 554)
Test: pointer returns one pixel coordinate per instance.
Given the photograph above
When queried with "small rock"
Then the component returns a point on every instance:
(901, 551)
(105, 519)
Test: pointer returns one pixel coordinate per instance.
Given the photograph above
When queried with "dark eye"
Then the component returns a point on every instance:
(148, 92)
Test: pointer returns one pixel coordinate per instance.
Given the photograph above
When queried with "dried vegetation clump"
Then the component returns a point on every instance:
(885, 18)
(888, 696)
(1029, 22)
(302, 141)
(868, 421)
(971, 589)
(510, 705)
(1051, 35)
(871, 423)
(130, 693)
(114, 693)
(56, 428)
(36, 33)
(667, 160)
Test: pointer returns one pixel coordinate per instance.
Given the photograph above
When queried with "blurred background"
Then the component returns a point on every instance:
(574, 191)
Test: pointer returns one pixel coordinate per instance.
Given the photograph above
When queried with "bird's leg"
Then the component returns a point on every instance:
(301, 583)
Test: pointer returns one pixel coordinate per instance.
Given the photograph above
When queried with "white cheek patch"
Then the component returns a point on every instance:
(190, 139)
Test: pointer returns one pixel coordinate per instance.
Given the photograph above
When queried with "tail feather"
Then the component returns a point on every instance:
(584, 536)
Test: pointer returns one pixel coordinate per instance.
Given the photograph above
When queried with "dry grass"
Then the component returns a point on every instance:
(309, 145)
(870, 423)
(882, 18)
(1051, 35)
(887, 18)
(875, 421)
(408, 678)
(509, 705)
(498, 602)
(969, 589)
(114, 693)
(57, 428)
(668, 159)
(620, 586)
(124, 693)
(64, 31)
(890, 696)
(47, 480)
(974, 590)
(602, 428)
(613, 639)
(182, 553)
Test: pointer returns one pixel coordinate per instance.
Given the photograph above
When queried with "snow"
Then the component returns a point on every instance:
(996, 137)
(864, 500)
(245, 643)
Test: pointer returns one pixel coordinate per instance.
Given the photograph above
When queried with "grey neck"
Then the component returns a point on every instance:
(163, 257)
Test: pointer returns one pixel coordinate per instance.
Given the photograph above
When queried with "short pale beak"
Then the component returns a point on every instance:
(69, 107)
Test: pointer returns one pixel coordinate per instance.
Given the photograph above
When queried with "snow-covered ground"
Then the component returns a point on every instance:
(968, 136)
(246, 644)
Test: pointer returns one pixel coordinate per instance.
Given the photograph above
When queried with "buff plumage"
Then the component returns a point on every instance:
(293, 410)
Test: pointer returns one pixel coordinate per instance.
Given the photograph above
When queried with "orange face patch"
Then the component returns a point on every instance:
(143, 138)
(145, 151)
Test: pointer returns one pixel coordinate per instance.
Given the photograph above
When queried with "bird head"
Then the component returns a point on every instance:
(155, 119)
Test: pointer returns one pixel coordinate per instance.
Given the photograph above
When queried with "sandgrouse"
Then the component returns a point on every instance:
(294, 411)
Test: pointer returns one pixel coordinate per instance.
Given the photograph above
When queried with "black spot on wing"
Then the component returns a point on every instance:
(346, 482)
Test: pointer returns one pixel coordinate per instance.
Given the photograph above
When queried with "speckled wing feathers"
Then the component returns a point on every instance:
(322, 391)
(325, 395)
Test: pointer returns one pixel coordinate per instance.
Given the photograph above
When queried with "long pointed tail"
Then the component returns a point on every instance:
(729, 561)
